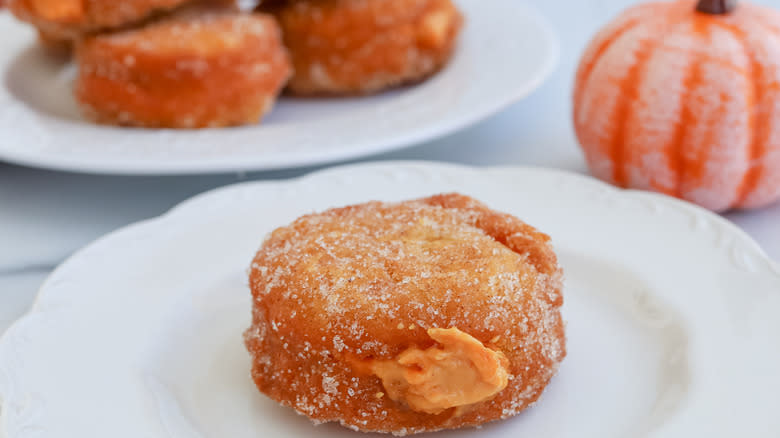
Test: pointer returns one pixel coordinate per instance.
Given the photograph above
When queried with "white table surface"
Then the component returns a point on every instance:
(45, 216)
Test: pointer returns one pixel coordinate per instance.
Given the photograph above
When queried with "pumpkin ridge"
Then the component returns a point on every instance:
(585, 71)
(677, 156)
(761, 20)
(629, 95)
(768, 27)
(756, 149)
(703, 56)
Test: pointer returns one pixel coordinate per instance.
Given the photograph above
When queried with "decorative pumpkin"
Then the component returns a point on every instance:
(683, 98)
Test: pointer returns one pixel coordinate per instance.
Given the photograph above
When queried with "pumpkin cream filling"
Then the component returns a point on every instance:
(458, 372)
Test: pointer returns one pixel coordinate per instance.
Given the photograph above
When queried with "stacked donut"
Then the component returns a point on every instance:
(208, 63)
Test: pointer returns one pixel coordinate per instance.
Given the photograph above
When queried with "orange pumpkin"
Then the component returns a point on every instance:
(683, 98)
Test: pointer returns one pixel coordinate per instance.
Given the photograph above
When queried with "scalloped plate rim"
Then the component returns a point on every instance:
(185, 207)
(193, 201)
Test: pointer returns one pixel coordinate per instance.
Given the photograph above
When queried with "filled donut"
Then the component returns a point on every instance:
(69, 19)
(202, 68)
(360, 46)
(406, 317)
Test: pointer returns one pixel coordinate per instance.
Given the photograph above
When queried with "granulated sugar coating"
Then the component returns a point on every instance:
(200, 68)
(364, 46)
(366, 283)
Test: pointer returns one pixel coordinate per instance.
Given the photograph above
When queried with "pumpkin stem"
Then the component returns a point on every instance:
(716, 7)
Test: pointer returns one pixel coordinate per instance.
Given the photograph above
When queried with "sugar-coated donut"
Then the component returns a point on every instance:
(406, 317)
(194, 70)
(364, 46)
(68, 19)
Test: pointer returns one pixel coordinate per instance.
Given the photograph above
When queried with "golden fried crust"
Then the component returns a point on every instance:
(367, 281)
(196, 70)
(68, 19)
(359, 46)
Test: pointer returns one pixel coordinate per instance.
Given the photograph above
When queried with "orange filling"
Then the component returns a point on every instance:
(457, 373)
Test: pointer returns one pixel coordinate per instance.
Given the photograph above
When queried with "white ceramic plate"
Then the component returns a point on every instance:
(506, 51)
(672, 316)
